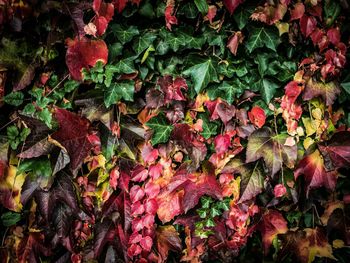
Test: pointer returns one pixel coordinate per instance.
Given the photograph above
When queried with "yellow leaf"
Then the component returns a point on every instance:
(338, 243)
(282, 27)
(146, 54)
(309, 126)
(308, 142)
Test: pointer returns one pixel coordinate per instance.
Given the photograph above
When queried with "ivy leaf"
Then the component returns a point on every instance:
(76, 141)
(226, 90)
(242, 16)
(328, 91)
(264, 144)
(161, 129)
(202, 73)
(267, 88)
(263, 36)
(119, 90)
(209, 127)
(123, 34)
(124, 66)
(252, 180)
(202, 6)
(143, 42)
(14, 98)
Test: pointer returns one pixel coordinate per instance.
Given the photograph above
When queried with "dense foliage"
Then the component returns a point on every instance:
(178, 130)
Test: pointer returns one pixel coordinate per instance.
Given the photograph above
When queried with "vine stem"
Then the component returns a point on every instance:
(279, 146)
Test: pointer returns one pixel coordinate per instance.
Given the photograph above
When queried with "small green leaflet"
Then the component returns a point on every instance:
(202, 74)
(117, 91)
(14, 98)
(10, 218)
(161, 129)
(263, 36)
(124, 35)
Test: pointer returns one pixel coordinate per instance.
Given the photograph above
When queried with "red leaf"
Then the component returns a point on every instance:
(234, 41)
(211, 13)
(312, 167)
(113, 178)
(151, 206)
(82, 53)
(120, 4)
(152, 189)
(139, 173)
(172, 88)
(220, 109)
(170, 18)
(137, 209)
(222, 143)
(297, 12)
(272, 224)
(104, 14)
(73, 135)
(146, 243)
(136, 193)
(257, 116)
(279, 190)
(333, 35)
(307, 25)
(149, 155)
(231, 5)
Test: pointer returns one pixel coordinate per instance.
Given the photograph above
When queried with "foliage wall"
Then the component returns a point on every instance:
(178, 130)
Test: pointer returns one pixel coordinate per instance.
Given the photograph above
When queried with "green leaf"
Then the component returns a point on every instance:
(214, 211)
(202, 74)
(202, 6)
(40, 168)
(263, 36)
(124, 35)
(267, 89)
(45, 116)
(124, 66)
(209, 128)
(143, 42)
(24, 134)
(70, 85)
(12, 132)
(10, 218)
(228, 91)
(241, 16)
(117, 91)
(346, 84)
(206, 201)
(202, 212)
(161, 129)
(14, 98)
(210, 222)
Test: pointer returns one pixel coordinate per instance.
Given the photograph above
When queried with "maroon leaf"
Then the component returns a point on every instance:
(73, 135)
(31, 246)
(231, 5)
(83, 53)
(338, 149)
(307, 25)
